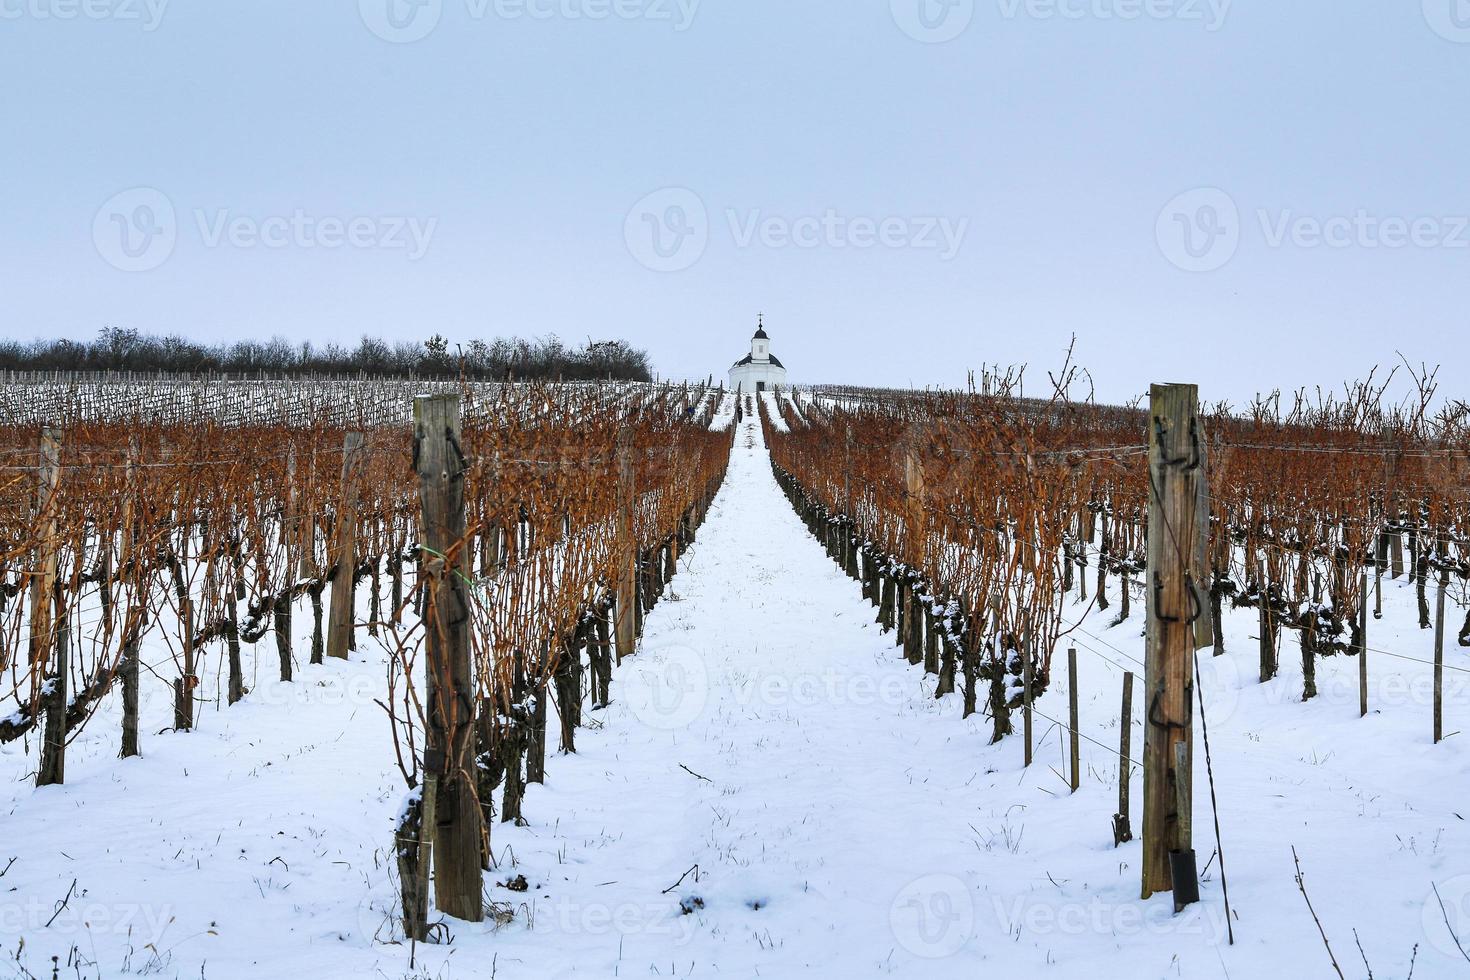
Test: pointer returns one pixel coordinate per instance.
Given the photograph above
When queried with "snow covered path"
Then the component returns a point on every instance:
(767, 733)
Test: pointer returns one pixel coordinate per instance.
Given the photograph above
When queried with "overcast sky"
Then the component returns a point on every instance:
(1248, 195)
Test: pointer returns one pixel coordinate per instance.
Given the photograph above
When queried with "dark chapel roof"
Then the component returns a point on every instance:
(748, 358)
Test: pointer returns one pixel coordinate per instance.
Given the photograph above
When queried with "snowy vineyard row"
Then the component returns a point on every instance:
(969, 519)
(66, 400)
(124, 536)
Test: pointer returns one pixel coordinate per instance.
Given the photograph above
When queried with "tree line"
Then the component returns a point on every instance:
(503, 358)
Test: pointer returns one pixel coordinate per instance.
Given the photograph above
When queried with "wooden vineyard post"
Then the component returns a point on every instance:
(1026, 679)
(281, 614)
(48, 637)
(452, 814)
(184, 685)
(1267, 641)
(849, 520)
(310, 567)
(43, 579)
(1444, 577)
(339, 619)
(1363, 651)
(1076, 736)
(1122, 826)
(133, 616)
(914, 492)
(1174, 471)
(626, 548)
(1184, 806)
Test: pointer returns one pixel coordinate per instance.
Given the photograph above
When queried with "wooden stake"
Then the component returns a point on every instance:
(1363, 650)
(1072, 701)
(1174, 471)
(339, 618)
(626, 623)
(915, 488)
(52, 768)
(1444, 577)
(133, 616)
(43, 579)
(1026, 674)
(1122, 826)
(448, 755)
(1267, 640)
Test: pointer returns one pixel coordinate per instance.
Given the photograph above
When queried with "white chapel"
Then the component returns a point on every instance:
(759, 370)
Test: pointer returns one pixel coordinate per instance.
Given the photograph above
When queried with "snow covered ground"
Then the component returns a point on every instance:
(773, 793)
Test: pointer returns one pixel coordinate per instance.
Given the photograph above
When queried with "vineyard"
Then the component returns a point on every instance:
(658, 678)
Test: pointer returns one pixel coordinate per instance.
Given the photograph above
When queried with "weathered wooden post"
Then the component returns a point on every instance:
(281, 613)
(448, 754)
(1000, 711)
(626, 547)
(850, 556)
(1363, 650)
(132, 570)
(185, 685)
(1027, 675)
(43, 578)
(1186, 891)
(1444, 578)
(1267, 637)
(52, 768)
(48, 637)
(915, 518)
(1076, 744)
(310, 567)
(1175, 469)
(339, 619)
(1122, 825)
